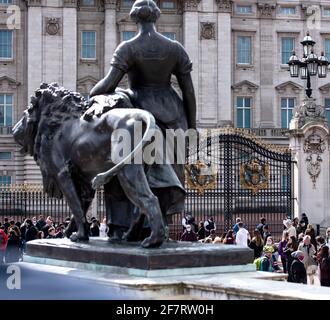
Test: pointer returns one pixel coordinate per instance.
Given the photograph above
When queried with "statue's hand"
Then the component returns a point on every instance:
(91, 101)
(98, 181)
(95, 109)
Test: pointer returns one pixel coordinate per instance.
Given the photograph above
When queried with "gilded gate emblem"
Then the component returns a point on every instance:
(254, 175)
(200, 176)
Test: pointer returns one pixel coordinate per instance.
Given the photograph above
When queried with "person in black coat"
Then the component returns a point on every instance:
(324, 263)
(13, 247)
(189, 234)
(201, 231)
(41, 222)
(95, 230)
(31, 231)
(297, 272)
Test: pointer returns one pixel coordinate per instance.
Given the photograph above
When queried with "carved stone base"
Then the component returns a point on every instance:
(170, 255)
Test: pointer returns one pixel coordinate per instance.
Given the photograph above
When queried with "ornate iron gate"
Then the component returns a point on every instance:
(234, 174)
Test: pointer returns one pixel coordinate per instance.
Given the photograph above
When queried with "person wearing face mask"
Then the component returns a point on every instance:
(189, 234)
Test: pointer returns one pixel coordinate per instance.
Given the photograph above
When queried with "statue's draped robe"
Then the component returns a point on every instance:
(149, 62)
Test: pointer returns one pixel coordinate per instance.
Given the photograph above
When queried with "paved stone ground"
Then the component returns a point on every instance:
(53, 282)
(41, 282)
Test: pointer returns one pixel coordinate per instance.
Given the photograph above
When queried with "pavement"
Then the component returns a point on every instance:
(41, 282)
(52, 282)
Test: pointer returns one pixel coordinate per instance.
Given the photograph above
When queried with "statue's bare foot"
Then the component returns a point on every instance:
(76, 238)
(70, 229)
(153, 241)
(82, 234)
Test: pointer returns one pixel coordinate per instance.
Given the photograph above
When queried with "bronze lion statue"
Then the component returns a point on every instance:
(74, 154)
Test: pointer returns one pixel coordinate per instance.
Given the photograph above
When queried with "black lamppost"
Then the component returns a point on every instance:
(309, 65)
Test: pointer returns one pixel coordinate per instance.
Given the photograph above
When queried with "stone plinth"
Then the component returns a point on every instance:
(171, 255)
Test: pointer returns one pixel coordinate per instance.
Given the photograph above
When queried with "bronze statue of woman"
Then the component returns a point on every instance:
(150, 59)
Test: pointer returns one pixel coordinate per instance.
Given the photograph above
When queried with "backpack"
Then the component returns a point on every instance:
(257, 262)
(262, 264)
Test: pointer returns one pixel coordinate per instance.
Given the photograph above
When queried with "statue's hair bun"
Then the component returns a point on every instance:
(145, 12)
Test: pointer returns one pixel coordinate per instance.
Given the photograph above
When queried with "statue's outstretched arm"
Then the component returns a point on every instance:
(109, 83)
(189, 100)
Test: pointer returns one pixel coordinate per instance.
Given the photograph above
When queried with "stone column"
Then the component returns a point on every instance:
(34, 73)
(267, 39)
(69, 65)
(34, 46)
(224, 62)
(191, 41)
(110, 32)
(309, 142)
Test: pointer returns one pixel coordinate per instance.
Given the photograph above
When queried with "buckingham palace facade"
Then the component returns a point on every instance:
(239, 50)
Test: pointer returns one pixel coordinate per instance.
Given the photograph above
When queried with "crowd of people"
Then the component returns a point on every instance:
(300, 253)
(14, 234)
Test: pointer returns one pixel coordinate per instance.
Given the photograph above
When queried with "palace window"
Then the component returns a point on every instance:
(88, 45)
(244, 9)
(6, 110)
(127, 3)
(88, 3)
(287, 48)
(287, 106)
(5, 180)
(288, 10)
(243, 50)
(243, 112)
(167, 4)
(169, 35)
(327, 109)
(327, 48)
(6, 1)
(326, 12)
(5, 155)
(127, 35)
(6, 44)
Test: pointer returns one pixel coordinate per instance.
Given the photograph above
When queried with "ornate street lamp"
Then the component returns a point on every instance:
(312, 63)
(294, 64)
(322, 66)
(303, 68)
(309, 65)
(308, 44)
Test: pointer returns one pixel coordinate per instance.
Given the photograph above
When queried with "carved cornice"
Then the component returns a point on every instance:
(325, 89)
(8, 82)
(225, 5)
(266, 10)
(251, 87)
(190, 5)
(281, 88)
